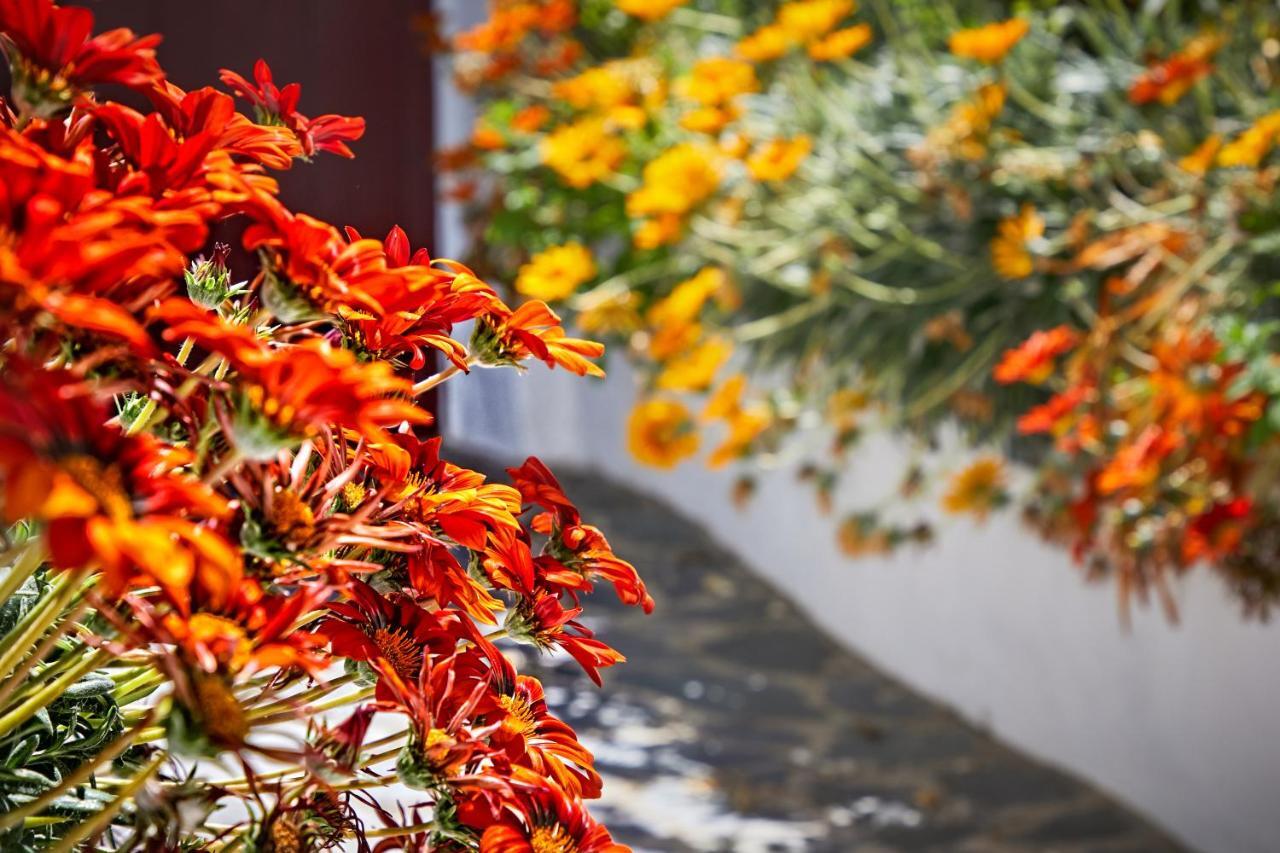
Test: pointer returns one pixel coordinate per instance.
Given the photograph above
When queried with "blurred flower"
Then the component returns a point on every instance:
(716, 81)
(1033, 360)
(695, 369)
(989, 43)
(1168, 80)
(806, 20)
(583, 153)
(678, 180)
(841, 44)
(1009, 254)
(778, 159)
(1199, 161)
(555, 273)
(765, 44)
(649, 10)
(661, 433)
(977, 489)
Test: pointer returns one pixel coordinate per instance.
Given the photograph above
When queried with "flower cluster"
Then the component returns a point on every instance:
(224, 512)
(1053, 231)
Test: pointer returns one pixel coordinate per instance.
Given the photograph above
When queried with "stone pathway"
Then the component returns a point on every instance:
(737, 726)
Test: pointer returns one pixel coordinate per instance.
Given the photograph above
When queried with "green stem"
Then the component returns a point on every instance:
(30, 558)
(35, 622)
(19, 676)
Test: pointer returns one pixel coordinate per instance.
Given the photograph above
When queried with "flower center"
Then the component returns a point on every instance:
(552, 839)
(106, 485)
(401, 651)
(291, 517)
(520, 718)
(285, 837)
(221, 716)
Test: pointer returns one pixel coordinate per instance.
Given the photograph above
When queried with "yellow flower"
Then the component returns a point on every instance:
(662, 230)
(710, 120)
(778, 159)
(718, 80)
(679, 179)
(612, 314)
(1009, 254)
(556, 273)
(806, 20)
(649, 10)
(1250, 147)
(1199, 162)
(989, 44)
(583, 152)
(977, 489)
(695, 369)
(669, 340)
(661, 433)
(594, 89)
(841, 44)
(765, 44)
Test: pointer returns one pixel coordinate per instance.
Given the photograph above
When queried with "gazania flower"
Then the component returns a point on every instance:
(555, 273)
(661, 433)
(778, 159)
(53, 55)
(745, 426)
(1250, 147)
(532, 331)
(977, 489)
(840, 44)
(967, 130)
(1168, 80)
(107, 500)
(695, 369)
(545, 819)
(1009, 253)
(372, 628)
(292, 392)
(649, 10)
(989, 43)
(1033, 360)
(543, 621)
(280, 106)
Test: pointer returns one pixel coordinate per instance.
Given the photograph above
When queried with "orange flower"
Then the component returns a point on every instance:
(532, 331)
(1199, 162)
(990, 43)
(841, 44)
(1136, 464)
(1051, 416)
(1168, 80)
(1033, 360)
(767, 43)
(778, 159)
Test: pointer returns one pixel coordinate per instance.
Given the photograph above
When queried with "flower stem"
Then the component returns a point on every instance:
(51, 691)
(393, 831)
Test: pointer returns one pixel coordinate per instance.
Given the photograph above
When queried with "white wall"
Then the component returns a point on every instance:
(1179, 721)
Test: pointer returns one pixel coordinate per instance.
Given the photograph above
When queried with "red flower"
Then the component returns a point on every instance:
(1050, 416)
(1032, 361)
(545, 819)
(280, 106)
(373, 628)
(110, 501)
(543, 621)
(53, 53)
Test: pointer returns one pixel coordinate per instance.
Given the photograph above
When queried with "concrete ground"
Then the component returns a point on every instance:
(736, 725)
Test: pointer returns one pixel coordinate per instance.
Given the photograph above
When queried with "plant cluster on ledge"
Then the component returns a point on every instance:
(224, 522)
(1054, 232)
